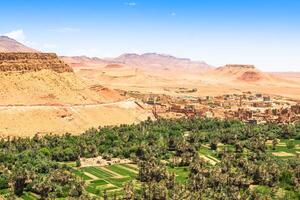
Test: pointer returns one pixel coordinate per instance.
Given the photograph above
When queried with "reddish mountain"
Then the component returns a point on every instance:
(148, 61)
(154, 61)
(10, 45)
(245, 73)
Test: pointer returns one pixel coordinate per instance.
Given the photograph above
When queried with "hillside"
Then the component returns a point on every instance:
(28, 120)
(40, 93)
(10, 45)
(40, 78)
(244, 73)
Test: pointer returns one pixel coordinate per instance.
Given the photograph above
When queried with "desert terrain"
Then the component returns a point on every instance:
(39, 93)
(43, 93)
(166, 79)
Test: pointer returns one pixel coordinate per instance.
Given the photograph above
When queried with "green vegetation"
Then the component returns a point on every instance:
(81, 174)
(97, 172)
(121, 170)
(176, 159)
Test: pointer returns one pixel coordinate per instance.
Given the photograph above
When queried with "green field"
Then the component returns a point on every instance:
(121, 170)
(97, 172)
(282, 146)
(181, 173)
(81, 174)
(112, 178)
(28, 196)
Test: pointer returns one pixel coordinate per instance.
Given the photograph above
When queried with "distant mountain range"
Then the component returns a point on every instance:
(154, 61)
(147, 61)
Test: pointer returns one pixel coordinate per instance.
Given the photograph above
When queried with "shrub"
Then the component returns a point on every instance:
(290, 144)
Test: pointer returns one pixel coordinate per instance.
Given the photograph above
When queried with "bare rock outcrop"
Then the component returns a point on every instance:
(250, 76)
(244, 73)
(28, 62)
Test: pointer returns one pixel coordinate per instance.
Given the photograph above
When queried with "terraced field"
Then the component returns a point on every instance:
(112, 178)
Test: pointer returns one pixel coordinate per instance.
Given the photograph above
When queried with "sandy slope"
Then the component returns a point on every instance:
(46, 101)
(208, 82)
(44, 87)
(29, 120)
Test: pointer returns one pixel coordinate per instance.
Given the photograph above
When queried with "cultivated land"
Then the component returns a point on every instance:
(204, 153)
(226, 157)
(110, 179)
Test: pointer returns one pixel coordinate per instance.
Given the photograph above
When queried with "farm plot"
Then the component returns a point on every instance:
(29, 196)
(209, 155)
(285, 149)
(122, 170)
(95, 171)
(109, 179)
(112, 178)
(180, 172)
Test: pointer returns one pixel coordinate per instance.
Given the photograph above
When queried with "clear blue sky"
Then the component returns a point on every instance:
(261, 32)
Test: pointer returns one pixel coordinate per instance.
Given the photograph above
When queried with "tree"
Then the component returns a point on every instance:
(20, 179)
(78, 162)
(274, 143)
(129, 191)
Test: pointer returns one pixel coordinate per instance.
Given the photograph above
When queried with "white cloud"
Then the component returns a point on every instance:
(65, 30)
(18, 35)
(173, 14)
(130, 4)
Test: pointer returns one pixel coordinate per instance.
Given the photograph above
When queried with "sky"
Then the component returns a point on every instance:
(265, 33)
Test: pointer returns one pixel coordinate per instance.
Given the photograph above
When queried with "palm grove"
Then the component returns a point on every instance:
(246, 168)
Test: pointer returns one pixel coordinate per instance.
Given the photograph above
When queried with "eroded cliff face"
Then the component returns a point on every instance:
(29, 62)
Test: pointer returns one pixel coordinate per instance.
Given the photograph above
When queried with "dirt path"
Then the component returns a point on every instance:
(91, 175)
(126, 103)
(207, 159)
(133, 166)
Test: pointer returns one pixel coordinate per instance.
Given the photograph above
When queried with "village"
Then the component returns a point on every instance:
(254, 108)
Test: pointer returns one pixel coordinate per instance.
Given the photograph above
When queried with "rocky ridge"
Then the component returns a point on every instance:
(29, 62)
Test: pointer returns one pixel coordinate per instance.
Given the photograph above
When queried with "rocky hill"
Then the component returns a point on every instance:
(27, 62)
(245, 73)
(41, 78)
(147, 61)
(10, 45)
(154, 61)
